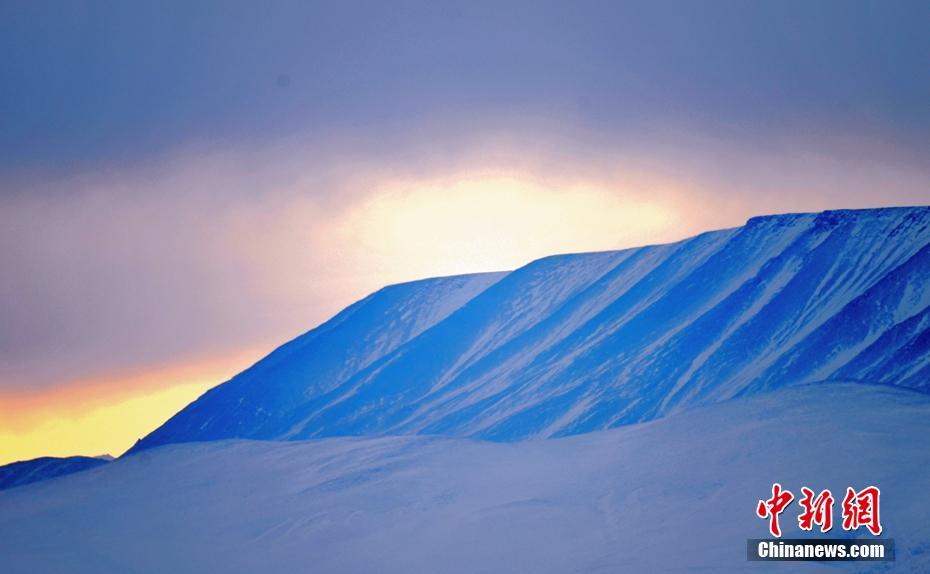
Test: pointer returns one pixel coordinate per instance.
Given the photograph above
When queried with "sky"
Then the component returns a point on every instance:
(185, 186)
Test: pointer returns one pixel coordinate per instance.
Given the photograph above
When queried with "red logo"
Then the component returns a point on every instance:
(774, 506)
(816, 510)
(859, 509)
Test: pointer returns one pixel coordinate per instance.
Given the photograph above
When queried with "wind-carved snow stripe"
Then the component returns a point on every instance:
(915, 296)
(902, 293)
(575, 343)
(856, 276)
(547, 292)
(589, 302)
(772, 287)
(794, 333)
(707, 245)
(757, 263)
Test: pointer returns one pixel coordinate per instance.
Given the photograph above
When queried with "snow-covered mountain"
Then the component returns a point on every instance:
(260, 401)
(44, 468)
(577, 343)
(672, 495)
(697, 349)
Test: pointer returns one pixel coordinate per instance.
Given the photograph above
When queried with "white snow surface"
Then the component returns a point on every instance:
(671, 495)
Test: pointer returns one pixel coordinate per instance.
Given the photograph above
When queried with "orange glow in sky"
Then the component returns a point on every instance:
(105, 416)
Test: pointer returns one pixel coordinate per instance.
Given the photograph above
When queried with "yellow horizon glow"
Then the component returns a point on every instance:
(103, 416)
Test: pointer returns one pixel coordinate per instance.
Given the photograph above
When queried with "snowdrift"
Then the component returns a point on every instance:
(673, 495)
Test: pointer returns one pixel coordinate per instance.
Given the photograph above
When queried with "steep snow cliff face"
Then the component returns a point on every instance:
(577, 343)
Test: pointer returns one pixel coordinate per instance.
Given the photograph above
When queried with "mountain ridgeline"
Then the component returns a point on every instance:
(46, 467)
(577, 343)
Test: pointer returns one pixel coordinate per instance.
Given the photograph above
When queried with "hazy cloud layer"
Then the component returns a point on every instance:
(209, 252)
(91, 81)
(179, 181)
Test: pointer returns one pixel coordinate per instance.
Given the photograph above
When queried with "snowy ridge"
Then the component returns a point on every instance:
(259, 402)
(38, 469)
(577, 343)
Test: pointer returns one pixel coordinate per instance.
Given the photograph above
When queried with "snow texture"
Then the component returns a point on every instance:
(572, 344)
(676, 494)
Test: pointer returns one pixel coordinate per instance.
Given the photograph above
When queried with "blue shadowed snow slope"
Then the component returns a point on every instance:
(576, 343)
(44, 468)
(261, 401)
